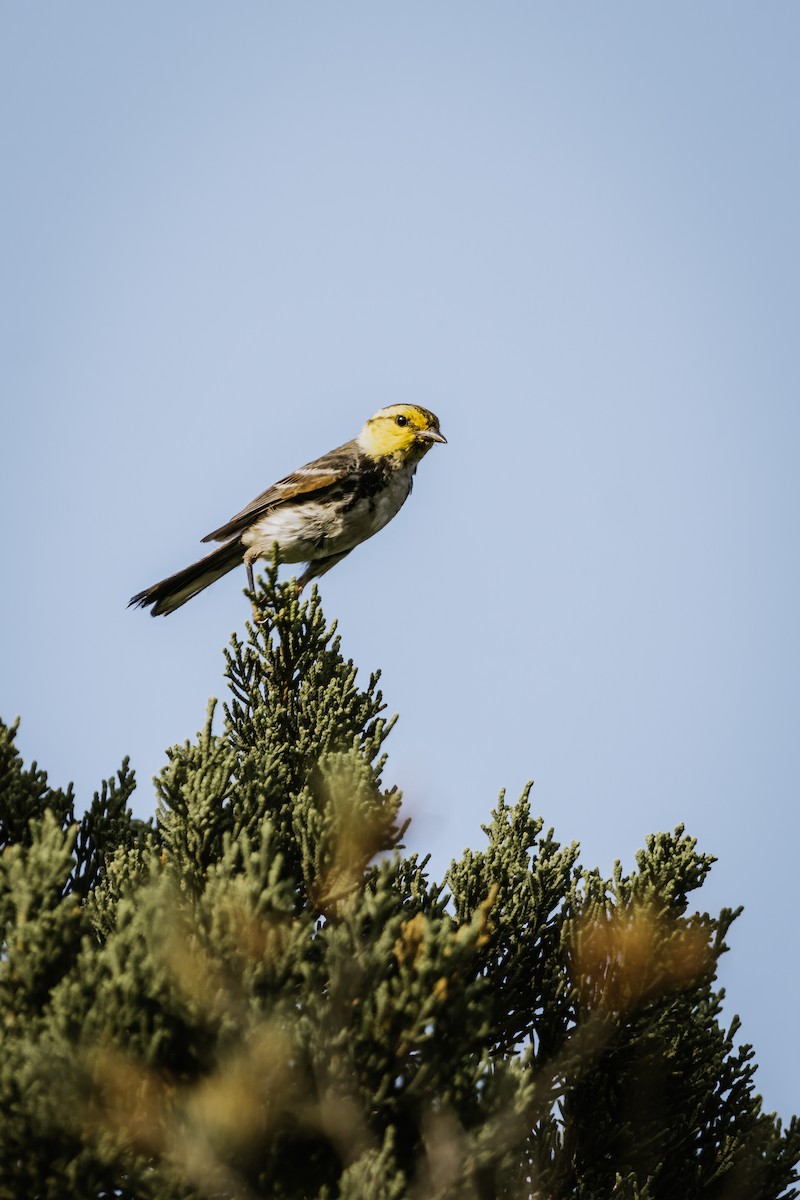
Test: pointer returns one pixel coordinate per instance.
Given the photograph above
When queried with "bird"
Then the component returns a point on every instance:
(319, 513)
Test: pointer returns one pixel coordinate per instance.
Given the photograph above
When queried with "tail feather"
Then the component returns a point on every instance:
(171, 593)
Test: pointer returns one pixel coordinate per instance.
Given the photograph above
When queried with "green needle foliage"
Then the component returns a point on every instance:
(259, 995)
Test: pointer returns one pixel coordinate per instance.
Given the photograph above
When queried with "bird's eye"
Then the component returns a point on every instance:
(401, 420)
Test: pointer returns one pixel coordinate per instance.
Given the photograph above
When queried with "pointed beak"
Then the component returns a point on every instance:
(430, 435)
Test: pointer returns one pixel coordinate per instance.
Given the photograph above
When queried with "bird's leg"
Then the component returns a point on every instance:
(318, 567)
(258, 616)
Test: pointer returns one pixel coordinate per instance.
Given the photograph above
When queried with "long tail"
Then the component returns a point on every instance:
(171, 593)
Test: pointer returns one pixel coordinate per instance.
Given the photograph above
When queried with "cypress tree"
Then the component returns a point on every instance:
(258, 994)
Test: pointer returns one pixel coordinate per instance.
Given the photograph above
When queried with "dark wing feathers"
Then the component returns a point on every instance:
(311, 480)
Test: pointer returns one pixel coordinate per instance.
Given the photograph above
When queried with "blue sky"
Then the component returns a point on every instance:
(232, 232)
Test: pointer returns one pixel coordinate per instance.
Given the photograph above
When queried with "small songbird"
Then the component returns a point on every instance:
(318, 514)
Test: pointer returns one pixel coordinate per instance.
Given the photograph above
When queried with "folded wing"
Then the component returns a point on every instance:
(311, 481)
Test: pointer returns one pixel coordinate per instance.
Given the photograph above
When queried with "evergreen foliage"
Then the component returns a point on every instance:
(259, 995)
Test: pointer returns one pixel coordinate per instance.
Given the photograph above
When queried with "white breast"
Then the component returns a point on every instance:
(311, 529)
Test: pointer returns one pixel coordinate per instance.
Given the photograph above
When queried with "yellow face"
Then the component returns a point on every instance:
(400, 429)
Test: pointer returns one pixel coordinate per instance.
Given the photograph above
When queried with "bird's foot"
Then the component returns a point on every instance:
(259, 616)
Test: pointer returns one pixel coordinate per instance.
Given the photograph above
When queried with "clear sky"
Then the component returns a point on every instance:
(231, 232)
